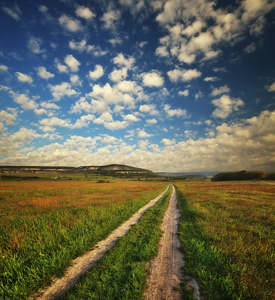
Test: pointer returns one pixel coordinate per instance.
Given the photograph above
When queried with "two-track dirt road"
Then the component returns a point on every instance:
(164, 271)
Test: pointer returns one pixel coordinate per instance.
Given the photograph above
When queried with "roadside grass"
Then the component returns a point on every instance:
(121, 273)
(46, 224)
(227, 236)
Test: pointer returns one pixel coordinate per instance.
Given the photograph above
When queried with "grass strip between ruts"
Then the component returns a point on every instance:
(121, 273)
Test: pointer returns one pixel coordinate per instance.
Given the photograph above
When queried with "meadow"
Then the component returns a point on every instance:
(227, 236)
(44, 224)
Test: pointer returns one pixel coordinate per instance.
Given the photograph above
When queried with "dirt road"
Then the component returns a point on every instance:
(165, 270)
(84, 263)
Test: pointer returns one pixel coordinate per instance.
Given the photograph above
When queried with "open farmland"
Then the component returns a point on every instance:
(45, 224)
(227, 235)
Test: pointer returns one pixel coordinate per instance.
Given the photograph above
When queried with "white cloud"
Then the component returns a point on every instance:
(143, 134)
(122, 61)
(149, 108)
(14, 12)
(131, 118)
(211, 78)
(110, 18)
(183, 75)
(222, 90)
(168, 142)
(175, 112)
(79, 46)
(43, 73)
(72, 63)
(152, 79)
(162, 51)
(184, 93)
(70, 24)
(126, 86)
(3, 68)
(151, 121)
(24, 135)
(43, 8)
(118, 75)
(85, 13)
(60, 90)
(8, 118)
(23, 77)
(97, 73)
(225, 106)
(54, 122)
(34, 44)
(271, 88)
(24, 101)
(75, 80)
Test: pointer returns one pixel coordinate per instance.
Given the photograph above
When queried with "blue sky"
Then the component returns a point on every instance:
(166, 85)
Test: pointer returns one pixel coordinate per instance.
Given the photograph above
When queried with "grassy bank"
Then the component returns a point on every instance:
(45, 224)
(121, 273)
(227, 235)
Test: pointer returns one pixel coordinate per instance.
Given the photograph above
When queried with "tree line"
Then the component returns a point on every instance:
(244, 175)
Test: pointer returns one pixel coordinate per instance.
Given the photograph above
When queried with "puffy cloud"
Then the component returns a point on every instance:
(54, 121)
(70, 24)
(3, 68)
(111, 95)
(149, 108)
(143, 134)
(225, 106)
(43, 73)
(131, 118)
(271, 88)
(34, 44)
(23, 77)
(183, 75)
(110, 18)
(24, 101)
(84, 12)
(222, 90)
(118, 75)
(122, 61)
(162, 51)
(211, 78)
(24, 135)
(14, 12)
(79, 46)
(184, 93)
(175, 112)
(151, 121)
(152, 79)
(168, 142)
(75, 80)
(8, 118)
(126, 86)
(72, 63)
(61, 90)
(97, 73)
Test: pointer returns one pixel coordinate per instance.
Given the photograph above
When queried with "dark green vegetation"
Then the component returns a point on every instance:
(227, 236)
(46, 224)
(244, 175)
(121, 273)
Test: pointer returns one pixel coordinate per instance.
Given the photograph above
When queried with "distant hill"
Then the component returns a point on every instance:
(109, 170)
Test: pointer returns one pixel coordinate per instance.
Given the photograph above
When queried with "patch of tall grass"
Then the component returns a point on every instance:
(227, 235)
(121, 273)
(44, 225)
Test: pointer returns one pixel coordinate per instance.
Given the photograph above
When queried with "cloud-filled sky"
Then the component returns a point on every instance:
(166, 85)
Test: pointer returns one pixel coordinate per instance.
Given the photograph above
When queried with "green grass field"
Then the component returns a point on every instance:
(227, 235)
(45, 224)
(226, 230)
